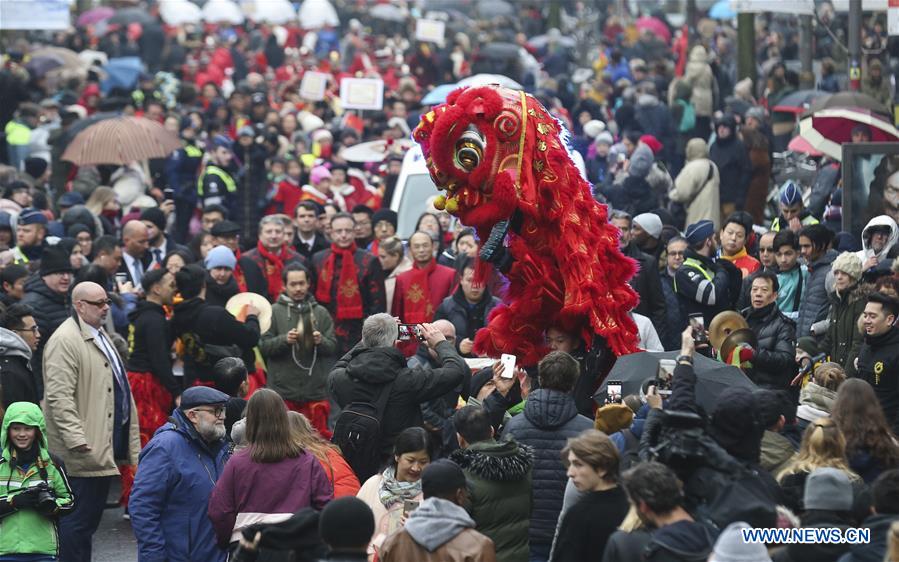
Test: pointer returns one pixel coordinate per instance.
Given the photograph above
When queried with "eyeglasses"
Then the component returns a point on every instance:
(218, 411)
(98, 304)
(676, 253)
(32, 329)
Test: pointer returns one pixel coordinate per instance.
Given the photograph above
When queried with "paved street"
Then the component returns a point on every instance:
(114, 541)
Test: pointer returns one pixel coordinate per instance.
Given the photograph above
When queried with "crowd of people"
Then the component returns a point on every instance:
(237, 338)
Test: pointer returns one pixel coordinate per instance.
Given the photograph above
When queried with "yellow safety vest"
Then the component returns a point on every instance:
(230, 184)
(17, 134)
(698, 266)
(807, 221)
(192, 151)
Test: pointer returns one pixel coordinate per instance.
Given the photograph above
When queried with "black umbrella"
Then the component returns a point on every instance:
(499, 51)
(489, 9)
(131, 15)
(712, 377)
(850, 100)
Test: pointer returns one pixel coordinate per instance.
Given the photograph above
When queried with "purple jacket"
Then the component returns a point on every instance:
(249, 492)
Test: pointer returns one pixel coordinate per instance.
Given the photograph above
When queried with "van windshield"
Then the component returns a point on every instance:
(418, 188)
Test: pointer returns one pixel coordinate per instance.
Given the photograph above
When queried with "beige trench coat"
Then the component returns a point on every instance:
(79, 403)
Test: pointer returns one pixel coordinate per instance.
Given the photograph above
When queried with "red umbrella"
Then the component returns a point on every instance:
(827, 130)
(799, 144)
(654, 26)
(95, 15)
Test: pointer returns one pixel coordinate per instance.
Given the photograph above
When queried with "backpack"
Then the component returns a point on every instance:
(741, 497)
(688, 118)
(630, 456)
(358, 430)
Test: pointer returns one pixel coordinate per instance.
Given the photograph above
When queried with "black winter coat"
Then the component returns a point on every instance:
(17, 382)
(874, 551)
(50, 311)
(465, 318)
(550, 417)
(878, 363)
(372, 368)
(684, 541)
(732, 159)
(204, 323)
(587, 525)
(648, 284)
(150, 345)
(774, 364)
(626, 547)
(816, 552)
(843, 339)
(218, 295)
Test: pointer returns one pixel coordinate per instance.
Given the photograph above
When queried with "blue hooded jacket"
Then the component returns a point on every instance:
(175, 476)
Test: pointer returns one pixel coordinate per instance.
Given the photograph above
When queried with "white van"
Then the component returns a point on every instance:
(413, 188)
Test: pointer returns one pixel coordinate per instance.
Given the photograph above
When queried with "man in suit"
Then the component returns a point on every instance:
(135, 258)
(160, 244)
(308, 240)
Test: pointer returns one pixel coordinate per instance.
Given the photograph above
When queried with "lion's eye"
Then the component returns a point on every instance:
(469, 150)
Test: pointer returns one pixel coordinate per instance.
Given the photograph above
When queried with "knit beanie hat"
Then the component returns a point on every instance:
(442, 476)
(641, 161)
(154, 215)
(345, 523)
(220, 256)
(385, 215)
(730, 546)
(593, 128)
(848, 263)
(605, 137)
(35, 167)
(828, 489)
(55, 260)
(650, 222)
(318, 174)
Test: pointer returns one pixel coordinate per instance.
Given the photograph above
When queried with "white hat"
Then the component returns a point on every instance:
(593, 128)
(651, 223)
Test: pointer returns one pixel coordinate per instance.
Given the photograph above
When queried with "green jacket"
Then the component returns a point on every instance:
(843, 338)
(499, 482)
(289, 380)
(25, 531)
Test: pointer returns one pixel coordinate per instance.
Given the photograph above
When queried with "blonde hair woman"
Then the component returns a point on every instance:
(823, 446)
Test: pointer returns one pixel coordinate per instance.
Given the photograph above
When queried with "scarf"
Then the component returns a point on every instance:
(238, 274)
(274, 265)
(392, 491)
(349, 301)
(417, 305)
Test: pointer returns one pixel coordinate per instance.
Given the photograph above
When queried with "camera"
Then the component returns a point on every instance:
(46, 499)
(681, 441)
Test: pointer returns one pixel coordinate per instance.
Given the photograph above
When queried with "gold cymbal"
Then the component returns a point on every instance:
(723, 325)
(737, 337)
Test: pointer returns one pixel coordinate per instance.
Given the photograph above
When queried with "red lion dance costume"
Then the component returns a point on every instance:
(502, 161)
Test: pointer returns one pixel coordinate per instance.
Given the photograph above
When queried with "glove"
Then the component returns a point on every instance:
(25, 499)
